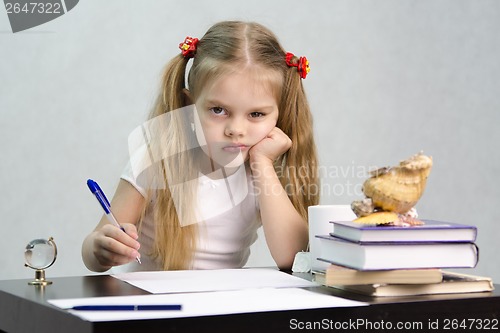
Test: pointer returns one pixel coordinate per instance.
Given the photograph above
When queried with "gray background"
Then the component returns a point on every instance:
(388, 79)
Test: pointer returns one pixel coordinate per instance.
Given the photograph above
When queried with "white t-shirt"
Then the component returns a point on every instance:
(229, 215)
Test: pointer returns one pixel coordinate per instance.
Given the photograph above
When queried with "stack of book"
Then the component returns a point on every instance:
(392, 260)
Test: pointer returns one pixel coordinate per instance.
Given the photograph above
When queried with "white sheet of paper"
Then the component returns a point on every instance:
(162, 282)
(208, 303)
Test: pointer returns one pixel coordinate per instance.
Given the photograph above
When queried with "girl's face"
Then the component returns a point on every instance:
(236, 112)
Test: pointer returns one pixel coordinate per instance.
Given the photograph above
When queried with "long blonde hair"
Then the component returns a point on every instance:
(225, 47)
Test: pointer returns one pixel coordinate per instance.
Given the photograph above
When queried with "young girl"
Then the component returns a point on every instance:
(242, 156)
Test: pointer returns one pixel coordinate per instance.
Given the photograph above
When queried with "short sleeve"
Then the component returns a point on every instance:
(128, 176)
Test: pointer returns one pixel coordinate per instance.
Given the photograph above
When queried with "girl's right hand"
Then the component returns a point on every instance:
(109, 246)
(113, 247)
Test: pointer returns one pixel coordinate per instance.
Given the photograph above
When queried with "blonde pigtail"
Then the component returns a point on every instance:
(175, 242)
(299, 165)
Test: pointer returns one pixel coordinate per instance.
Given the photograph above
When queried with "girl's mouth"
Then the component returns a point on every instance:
(235, 148)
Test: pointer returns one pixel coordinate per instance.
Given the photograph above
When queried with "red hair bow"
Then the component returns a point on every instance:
(188, 47)
(302, 64)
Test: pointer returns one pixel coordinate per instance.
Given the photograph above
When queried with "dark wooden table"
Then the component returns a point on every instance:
(24, 308)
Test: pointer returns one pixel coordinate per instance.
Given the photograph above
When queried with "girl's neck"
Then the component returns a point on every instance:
(209, 168)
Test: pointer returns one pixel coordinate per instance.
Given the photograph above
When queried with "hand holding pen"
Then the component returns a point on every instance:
(101, 198)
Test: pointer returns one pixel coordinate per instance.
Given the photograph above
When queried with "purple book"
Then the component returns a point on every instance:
(430, 231)
(397, 255)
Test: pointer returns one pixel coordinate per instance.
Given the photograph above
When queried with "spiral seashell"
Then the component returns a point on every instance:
(397, 189)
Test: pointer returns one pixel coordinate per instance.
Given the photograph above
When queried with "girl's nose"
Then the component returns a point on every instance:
(234, 128)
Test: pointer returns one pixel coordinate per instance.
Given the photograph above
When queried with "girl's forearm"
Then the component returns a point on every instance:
(285, 229)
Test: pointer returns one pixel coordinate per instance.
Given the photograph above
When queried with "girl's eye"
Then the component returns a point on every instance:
(217, 110)
(256, 114)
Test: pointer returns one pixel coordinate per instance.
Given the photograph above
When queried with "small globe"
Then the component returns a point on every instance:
(40, 253)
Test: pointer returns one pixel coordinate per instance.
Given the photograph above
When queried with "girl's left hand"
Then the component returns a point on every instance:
(271, 147)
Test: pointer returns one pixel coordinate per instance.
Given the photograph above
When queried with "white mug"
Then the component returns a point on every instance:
(319, 224)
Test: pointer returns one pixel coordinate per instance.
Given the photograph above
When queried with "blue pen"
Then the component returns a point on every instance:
(152, 307)
(99, 194)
